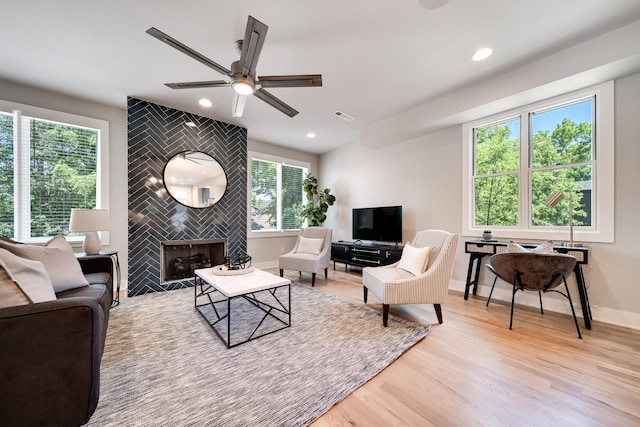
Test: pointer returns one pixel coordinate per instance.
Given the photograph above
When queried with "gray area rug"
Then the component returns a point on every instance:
(164, 366)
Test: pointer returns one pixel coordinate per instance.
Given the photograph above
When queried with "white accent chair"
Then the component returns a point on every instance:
(397, 286)
(309, 262)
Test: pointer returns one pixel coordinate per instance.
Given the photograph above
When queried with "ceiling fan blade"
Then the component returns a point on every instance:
(187, 50)
(191, 85)
(254, 37)
(275, 102)
(303, 80)
(237, 105)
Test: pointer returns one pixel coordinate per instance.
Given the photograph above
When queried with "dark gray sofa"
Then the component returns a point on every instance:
(50, 353)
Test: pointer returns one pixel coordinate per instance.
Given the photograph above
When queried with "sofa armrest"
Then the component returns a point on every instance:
(50, 362)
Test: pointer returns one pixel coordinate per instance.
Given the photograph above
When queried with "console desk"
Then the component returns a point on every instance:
(477, 249)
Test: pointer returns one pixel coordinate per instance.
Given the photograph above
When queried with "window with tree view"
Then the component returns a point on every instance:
(520, 162)
(47, 168)
(276, 195)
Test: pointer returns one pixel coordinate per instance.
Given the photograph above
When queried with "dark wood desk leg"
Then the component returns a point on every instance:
(584, 298)
(469, 283)
(477, 277)
(473, 258)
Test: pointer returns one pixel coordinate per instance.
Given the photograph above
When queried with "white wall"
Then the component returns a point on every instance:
(424, 175)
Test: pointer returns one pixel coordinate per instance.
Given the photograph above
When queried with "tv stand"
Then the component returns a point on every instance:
(364, 255)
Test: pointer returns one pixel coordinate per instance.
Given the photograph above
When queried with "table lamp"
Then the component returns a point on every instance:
(553, 200)
(90, 221)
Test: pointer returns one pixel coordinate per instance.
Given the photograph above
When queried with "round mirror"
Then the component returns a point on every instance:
(195, 179)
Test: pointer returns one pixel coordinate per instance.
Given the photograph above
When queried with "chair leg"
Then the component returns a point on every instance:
(313, 279)
(513, 299)
(438, 308)
(540, 296)
(385, 314)
(491, 293)
(575, 319)
(366, 293)
(281, 272)
(326, 274)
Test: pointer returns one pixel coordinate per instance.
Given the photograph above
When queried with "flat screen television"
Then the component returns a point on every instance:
(383, 224)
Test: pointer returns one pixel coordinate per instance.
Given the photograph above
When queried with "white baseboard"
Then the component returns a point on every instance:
(266, 264)
(561, 305)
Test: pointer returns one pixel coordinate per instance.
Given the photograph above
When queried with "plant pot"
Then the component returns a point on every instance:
(487, 236)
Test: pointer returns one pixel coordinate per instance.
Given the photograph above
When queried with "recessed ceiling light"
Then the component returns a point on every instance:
(205, 102)
(311, 135)
(481, 54)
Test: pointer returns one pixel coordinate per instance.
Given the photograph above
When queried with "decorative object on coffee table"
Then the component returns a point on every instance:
(223, 270)
(486, 235)
(239, 261)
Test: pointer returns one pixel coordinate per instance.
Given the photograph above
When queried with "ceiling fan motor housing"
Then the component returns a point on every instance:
(244, 85)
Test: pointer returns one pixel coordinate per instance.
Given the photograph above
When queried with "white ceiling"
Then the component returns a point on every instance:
(377, 57)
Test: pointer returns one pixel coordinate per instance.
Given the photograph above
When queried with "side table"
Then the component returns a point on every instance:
(113, 257)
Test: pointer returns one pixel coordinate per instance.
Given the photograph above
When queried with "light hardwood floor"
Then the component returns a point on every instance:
(473, 371)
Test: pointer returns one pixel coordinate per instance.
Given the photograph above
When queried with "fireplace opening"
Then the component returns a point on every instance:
(181, 257)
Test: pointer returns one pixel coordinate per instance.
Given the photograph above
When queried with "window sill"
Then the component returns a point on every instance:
(271, 234)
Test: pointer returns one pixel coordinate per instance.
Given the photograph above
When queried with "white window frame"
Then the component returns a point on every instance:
(602, 229)
(275, 159)
(22, 226)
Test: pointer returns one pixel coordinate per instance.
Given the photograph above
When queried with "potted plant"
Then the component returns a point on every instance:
(318, 201)
(486, 234)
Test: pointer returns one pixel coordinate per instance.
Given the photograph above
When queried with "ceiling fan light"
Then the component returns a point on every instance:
(242, 87)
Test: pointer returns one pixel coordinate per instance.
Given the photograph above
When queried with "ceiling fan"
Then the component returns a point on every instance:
(242, 72)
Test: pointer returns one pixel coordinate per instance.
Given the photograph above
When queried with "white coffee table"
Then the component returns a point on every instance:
(264, 292)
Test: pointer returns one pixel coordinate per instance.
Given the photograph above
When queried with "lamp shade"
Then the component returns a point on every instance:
(89, 220)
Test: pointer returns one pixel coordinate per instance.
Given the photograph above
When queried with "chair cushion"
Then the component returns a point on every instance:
(309, 245)
(389, 274)
(58, 259)
(23, 281)
(414, 259)
(545, 247)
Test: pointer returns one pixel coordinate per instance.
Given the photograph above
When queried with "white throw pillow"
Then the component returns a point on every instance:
(545, 247)
(414, 259)
(310, 245)
(58, 259)
(23, 281)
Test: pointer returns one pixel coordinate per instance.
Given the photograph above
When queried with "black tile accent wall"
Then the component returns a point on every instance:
(155, 134)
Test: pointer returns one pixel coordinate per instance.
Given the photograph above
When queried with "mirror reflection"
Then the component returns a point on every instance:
(195, 179)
